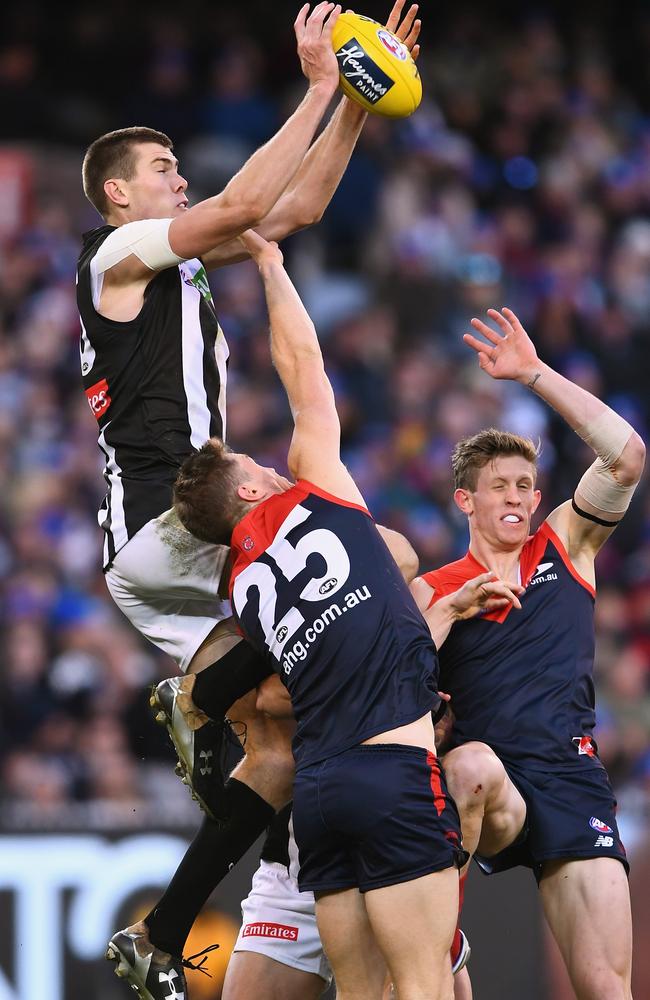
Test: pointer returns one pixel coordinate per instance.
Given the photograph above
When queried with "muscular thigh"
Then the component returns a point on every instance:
(253, 975)
(587, 905)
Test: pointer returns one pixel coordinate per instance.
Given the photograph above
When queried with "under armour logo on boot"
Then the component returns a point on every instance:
(168, 977)
(206, 755)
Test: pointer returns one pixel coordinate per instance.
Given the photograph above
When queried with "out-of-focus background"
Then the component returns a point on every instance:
(524, 179)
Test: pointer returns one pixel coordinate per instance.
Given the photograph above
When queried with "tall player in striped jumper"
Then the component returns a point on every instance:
(153, 362)
(525, 769)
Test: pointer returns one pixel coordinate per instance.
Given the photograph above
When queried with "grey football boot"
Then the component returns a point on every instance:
(198, 740)
(153, 974)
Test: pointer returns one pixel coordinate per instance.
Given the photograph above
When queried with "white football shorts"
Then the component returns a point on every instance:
(166, 582)
(280, 921)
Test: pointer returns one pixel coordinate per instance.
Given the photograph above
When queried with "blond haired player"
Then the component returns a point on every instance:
(524, 768)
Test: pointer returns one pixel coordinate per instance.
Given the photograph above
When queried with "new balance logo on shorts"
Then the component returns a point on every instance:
(602, 829)
(283, 932)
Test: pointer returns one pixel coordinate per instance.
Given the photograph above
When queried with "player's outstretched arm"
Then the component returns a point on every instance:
(314, 453)
(604, 492)
(251, 194)
(306, 197)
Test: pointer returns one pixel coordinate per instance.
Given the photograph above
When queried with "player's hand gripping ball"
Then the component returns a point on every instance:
(375, 67)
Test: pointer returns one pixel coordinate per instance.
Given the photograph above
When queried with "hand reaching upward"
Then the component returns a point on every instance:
(314, 37)
(262, 251)
(409, 28)
(510, 354)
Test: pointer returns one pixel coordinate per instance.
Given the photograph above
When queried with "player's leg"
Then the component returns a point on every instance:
(260, 785)
(492, 811)
(463, 985)
(251, 974)
(350, 945)
(587, 905)
(278, 953)
(414, 925)
(178, 611)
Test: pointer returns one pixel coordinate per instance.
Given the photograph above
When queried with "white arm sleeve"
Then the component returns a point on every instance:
(148, 239)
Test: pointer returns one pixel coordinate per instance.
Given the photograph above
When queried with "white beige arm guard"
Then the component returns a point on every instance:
(608, 436)
(148, 239)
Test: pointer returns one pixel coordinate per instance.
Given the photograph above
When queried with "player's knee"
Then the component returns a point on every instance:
(473, 772)
(269, 772)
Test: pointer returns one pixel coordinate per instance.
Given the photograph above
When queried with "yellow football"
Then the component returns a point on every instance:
(375, 67)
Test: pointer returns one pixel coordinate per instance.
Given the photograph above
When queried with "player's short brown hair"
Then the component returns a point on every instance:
(205, 493)
(113, 155)
(473, 453)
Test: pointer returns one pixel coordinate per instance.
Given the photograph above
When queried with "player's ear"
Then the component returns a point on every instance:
(463, 500)
(537, 496)
(248, 492)
(251, 492)
(115, 192)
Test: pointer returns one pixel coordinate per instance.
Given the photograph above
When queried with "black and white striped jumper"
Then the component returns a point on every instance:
(156, 385)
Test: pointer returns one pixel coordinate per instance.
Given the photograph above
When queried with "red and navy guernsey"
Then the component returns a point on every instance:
(315, 589)
(521, 681)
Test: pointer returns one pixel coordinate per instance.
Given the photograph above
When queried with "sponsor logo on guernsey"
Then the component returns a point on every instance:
(198, 278)
(604, 841)
(247, 544)
(362, 72)
(598, 825)
(393, 45)
(538, 576)
(98, 398)
(335, 611)
(282, 932)
(584, 745)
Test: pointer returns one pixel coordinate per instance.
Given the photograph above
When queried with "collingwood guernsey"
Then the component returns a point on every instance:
(155, 384)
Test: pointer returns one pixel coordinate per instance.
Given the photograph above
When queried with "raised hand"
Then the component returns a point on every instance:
(315, 50)
(409, 29)
(484, 593)
(262, 251)
(510, 354)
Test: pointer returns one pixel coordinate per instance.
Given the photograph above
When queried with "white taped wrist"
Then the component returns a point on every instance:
(147, 239)
(607, 435)
(599, 488)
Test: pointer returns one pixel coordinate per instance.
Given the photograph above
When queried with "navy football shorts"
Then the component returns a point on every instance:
(373, 816)
(570, 815)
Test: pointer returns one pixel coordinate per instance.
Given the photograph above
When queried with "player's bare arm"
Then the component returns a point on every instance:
(402, 552)
(604, 492)
(483, 593)
(314, 453)
(309, 193)
(251, 194)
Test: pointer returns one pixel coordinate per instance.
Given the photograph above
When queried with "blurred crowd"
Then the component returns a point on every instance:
(524, 179)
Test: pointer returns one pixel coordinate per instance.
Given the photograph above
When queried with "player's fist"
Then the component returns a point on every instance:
(261, 250)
